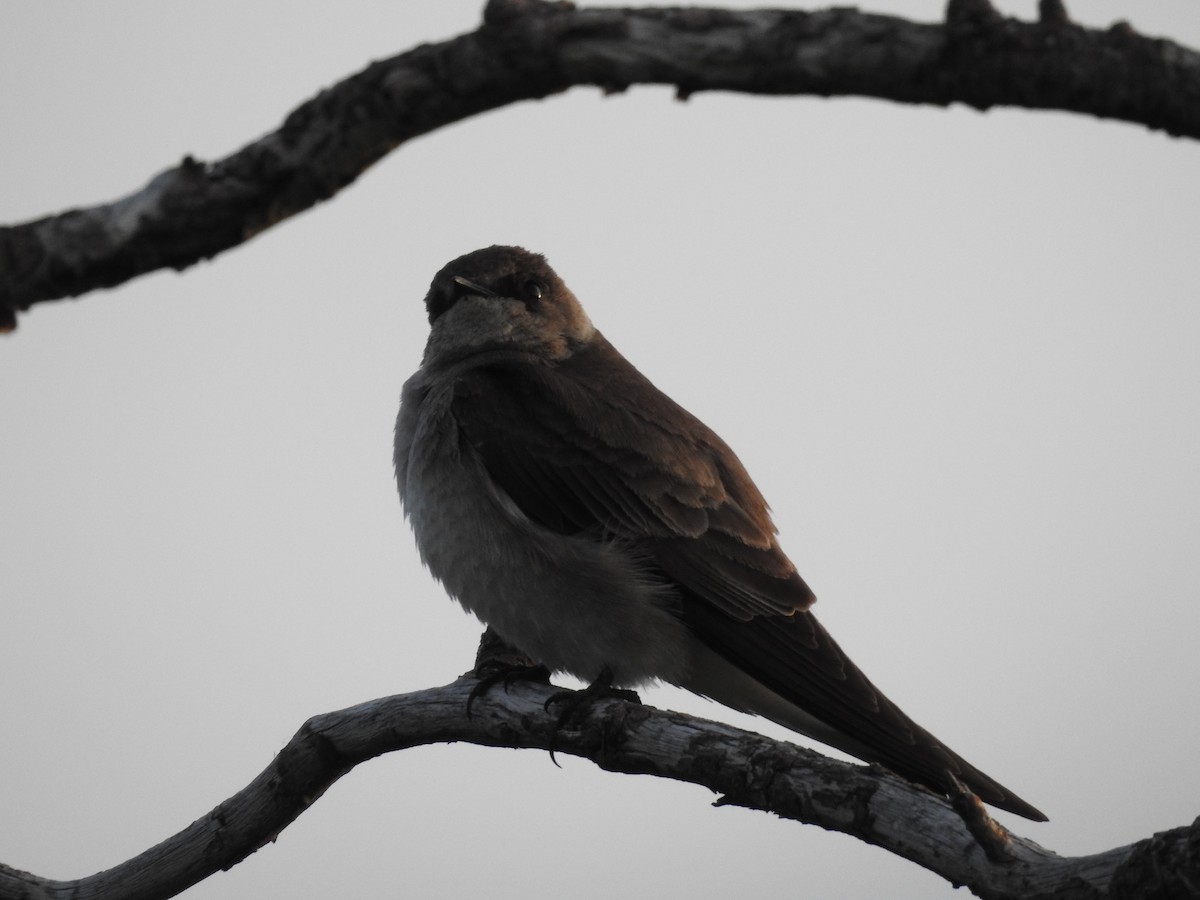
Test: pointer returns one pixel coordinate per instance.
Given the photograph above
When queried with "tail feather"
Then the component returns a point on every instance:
(789, 670)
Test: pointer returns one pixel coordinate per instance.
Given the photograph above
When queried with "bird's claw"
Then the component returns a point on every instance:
(574, 703)
(492, 673)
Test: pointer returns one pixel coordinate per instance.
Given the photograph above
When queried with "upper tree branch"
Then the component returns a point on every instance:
(745, 769)
(530, 49)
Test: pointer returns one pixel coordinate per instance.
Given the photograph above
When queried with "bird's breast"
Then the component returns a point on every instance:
(573, 603)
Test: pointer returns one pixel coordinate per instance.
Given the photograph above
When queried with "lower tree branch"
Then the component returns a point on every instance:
(529, 49)
(743, 768)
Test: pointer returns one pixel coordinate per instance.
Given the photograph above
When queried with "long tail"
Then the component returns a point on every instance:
(789, 670)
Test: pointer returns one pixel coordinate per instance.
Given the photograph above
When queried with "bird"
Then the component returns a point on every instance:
(605, 532)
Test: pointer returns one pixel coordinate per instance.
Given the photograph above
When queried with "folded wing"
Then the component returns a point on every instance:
(578, 457)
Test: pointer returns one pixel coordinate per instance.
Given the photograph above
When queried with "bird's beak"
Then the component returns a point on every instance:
(474, 288)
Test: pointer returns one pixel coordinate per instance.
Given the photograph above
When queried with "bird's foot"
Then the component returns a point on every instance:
(497, 673)
(498, 662)
(573, 704)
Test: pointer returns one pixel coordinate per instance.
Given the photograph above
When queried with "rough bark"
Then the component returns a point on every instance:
(529, 49)
(742, 768)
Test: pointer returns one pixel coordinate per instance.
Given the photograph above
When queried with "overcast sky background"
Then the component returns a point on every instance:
(957, 351)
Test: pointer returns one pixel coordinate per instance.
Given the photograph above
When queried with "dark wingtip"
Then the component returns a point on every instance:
(1018, 807)
(1021, 808)
(997, 795)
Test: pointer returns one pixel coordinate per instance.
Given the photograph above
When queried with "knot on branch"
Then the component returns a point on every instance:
(502, 12)
(970, 15)
(524, 39)
(1053, 12)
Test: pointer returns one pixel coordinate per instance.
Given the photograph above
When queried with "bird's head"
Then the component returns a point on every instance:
(503, 298)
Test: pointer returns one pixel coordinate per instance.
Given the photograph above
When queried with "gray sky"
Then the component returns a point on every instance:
(958, 353)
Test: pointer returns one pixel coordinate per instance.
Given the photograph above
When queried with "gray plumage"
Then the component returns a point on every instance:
(598, 526)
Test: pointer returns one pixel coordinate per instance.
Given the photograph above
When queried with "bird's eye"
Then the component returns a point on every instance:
(532, 289)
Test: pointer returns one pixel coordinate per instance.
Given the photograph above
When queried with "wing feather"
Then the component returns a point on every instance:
(797, 659)
(592, 446)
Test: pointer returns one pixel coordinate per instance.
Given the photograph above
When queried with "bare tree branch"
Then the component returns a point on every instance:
(745, 769)
(529, 49)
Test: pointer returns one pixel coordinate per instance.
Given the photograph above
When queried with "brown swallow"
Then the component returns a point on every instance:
(598, 526)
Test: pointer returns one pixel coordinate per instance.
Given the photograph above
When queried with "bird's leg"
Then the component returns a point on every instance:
(498, 661)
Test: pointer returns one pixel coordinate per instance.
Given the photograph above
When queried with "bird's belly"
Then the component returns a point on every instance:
(574, 604)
